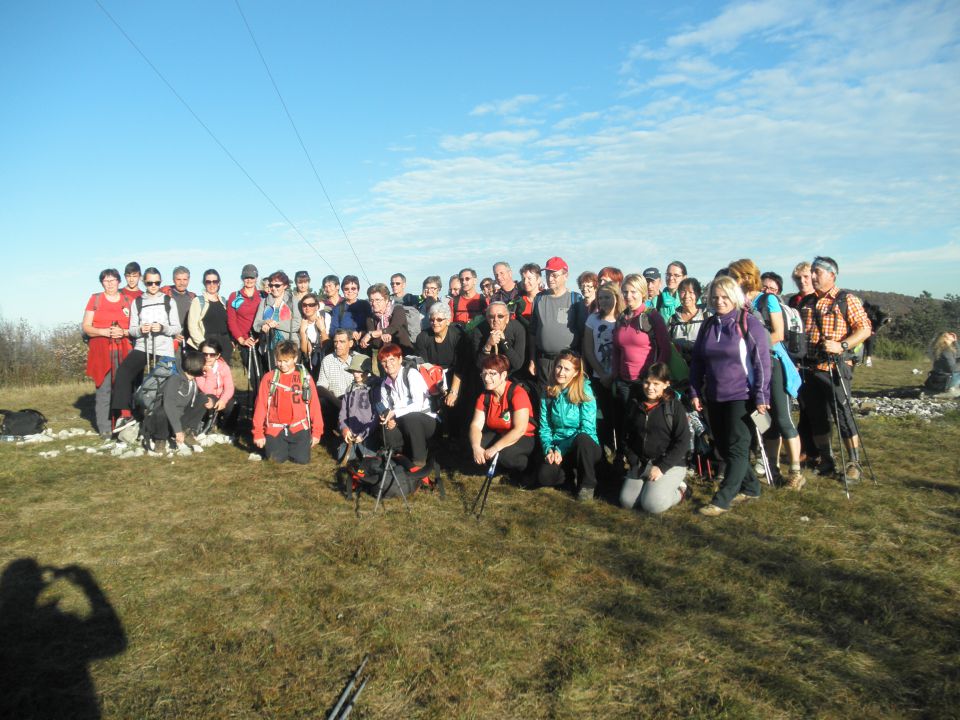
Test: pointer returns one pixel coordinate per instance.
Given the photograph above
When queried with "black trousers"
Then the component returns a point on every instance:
(513, 459)
(294, 447)
(583, 454)
(823, 395)
(411, 434)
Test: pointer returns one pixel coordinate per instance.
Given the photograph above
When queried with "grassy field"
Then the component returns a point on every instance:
(243, 590)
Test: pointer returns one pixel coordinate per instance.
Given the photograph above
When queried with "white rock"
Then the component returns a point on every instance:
(92, 451)
(804, 518)
(254, 457)
(49, 453)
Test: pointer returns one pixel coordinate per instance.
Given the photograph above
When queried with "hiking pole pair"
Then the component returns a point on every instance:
(836, 419)
(485, 487)
(848, 399)
(766, 422)
(389, 469)
(345, 702)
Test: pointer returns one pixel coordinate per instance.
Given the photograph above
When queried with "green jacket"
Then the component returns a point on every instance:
(666, 303)
(561, 420)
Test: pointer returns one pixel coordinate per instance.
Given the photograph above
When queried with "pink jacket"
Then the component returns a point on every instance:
(217, 382)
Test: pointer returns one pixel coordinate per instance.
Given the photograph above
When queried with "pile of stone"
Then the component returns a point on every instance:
(925, 407)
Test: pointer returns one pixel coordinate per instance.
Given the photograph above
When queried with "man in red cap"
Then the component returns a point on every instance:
(557, 321)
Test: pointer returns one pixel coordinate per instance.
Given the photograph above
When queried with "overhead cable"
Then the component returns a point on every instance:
(300, 139)
(212, 135)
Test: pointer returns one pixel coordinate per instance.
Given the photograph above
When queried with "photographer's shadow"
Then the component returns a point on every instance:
(44, 650)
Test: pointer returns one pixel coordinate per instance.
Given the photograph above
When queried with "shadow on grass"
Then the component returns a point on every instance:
(85, 406)
(879, 637)
(44, 650)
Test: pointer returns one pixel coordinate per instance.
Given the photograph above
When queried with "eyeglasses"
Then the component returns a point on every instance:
(212, 281)
(437, 318)
(679, 275)
(464, 278)
(310, 304)
(498, 317)
(276, 285)
(210, 354)
(151, 283)
(396, 282)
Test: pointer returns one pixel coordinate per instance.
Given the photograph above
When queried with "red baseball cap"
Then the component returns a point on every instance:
(554, 264)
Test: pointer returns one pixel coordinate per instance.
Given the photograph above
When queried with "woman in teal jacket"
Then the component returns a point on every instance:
(568, 427)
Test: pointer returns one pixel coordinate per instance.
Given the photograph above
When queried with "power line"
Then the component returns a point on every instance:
(300, 140)
(212, 135)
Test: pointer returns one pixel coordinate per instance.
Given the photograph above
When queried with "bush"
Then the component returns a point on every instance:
(891, 349)
(37, 357)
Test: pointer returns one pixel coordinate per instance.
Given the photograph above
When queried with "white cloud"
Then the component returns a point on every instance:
(505, 107)
(570, 122)
(475, 140)
(739, 20)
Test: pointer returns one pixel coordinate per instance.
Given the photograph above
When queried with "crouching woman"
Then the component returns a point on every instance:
(657, 440)
(410, 420)
(568, 427)
(182, 408)
(501, 419)
(287, 421)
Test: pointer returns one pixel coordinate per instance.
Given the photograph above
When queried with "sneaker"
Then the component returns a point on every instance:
(122, 423)
(853, 472)
(868, 362)
(712, 510)
(585, 494)
(759, 469)
(796, 480)
(685, 492)
(827, 466)
(743, 497)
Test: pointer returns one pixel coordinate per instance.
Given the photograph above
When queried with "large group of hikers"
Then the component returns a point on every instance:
(633, 378)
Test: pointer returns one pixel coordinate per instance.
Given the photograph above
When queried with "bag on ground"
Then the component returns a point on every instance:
(23, 422)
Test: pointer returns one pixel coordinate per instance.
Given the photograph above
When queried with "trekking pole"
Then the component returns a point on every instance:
(848, 397)
(335, 713)
(485, 487)
(836, 419)
(389, 469)
(348, 708)
(763, 456)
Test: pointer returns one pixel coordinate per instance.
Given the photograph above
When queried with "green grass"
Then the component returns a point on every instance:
(252, 591)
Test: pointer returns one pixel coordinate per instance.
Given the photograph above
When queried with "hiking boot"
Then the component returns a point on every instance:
(585, 494)
(122, 423)
(743, 497)
(853, 472)
(758, 469)
(796, 480)
(827, 466)
(712, 510)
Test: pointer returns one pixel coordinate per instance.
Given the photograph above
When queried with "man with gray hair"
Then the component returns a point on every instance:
(499, 335)
(182, 298)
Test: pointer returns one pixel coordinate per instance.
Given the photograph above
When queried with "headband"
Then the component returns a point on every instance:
(824, 264)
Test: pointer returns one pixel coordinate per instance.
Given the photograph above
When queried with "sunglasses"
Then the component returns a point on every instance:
(210, 354)
(276, 285)
(212, 281)
(498, 317)
(151, 283)
(310, 304)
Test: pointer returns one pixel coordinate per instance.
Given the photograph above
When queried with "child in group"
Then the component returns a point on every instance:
(287, 421)
(182, 408)
(357, 415)
(657, 440)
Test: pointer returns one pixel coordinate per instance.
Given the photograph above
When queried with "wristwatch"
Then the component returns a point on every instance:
(844, 344)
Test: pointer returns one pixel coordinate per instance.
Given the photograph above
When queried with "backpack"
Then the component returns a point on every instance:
(167, 304)
(432, 375)
(20, 423)
(795, 339)
(304, 389)
(415, 322)
(125, 301)
(365, 475)
(148, 397)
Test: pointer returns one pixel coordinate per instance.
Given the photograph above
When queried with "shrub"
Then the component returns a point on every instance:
(891, 349)
(40, 357)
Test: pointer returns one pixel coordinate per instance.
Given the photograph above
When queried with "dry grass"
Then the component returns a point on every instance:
(250, 591)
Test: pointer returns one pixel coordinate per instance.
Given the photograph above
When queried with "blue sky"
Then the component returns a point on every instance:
(456, 134)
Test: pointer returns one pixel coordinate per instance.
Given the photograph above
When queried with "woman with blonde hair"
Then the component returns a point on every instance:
(784, 378)
(944, 377)
(730, 376)
(568, 427)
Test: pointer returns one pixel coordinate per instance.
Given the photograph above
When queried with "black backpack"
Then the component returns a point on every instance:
(365, 475)
(22, 422)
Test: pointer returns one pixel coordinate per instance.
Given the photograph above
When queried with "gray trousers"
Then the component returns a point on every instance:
(655, 497)
(101, 405)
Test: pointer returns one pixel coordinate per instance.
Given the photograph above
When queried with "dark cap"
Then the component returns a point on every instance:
(651, 273)
(301, 275)
(249, 271)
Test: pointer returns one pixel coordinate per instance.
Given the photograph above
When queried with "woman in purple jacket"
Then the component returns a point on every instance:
(731, 371)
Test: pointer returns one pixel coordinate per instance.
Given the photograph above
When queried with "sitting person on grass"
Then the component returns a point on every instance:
(410, 420)
(216, 382)
(657, 440)
(287, 421)
(182, 408)
(358, 420)
(501, 419)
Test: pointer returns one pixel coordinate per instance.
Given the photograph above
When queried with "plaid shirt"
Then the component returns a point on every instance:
(825, 313)
(333, 374)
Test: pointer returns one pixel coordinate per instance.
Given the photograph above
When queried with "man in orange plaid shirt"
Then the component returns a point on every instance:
(835, 323)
